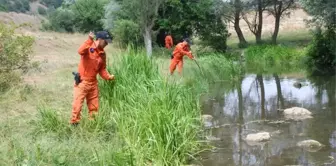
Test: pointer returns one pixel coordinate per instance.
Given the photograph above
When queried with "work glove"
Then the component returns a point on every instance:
(112, 77)
(91, 35)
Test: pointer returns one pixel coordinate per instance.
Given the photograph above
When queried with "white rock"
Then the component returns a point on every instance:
(206, 117)
(207, 121)
(212, 138)
(310, 145)
(258, 137)
(297, 113)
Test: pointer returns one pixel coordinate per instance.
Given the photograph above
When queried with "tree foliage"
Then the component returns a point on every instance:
(88, 14)
(60, 20)
(321, 53)
(20, 6)
(41, 10)
(126, 33)
(52, 3)
(77, 16)
(15, 51)
(202, 18)
(323, 11)
(279, 8)
(210, 26)
(143, 13)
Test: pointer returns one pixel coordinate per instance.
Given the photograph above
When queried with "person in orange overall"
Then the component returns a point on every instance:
(92, 62)
(169, 41)
(181, 49)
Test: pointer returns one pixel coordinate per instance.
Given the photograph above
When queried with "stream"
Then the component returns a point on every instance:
(256, 104)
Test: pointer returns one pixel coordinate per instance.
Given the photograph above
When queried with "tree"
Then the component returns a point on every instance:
(321, 53)
(177, 17)
(89, 14)
(257, 7)
(209, 25)
(144, 13)
(278, 8)
(323, 12)
(187, 18)
(237, 6)
(61, 20)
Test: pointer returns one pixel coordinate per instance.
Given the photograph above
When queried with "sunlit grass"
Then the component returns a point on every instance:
(145, 117)
(273, 59)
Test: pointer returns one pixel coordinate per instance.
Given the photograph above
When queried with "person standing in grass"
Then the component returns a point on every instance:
(92, 62)
(181, 49)
(169, 41)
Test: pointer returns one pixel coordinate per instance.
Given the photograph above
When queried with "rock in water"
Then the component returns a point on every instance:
(207, 117)
(310, 145)
(207, 120)
(297, 113)
(212, 138)
(258, 137)
(297, 85)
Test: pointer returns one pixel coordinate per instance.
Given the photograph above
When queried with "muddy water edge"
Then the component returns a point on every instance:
(255, 104)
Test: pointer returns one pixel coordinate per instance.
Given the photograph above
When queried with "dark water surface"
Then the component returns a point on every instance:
(255, 102)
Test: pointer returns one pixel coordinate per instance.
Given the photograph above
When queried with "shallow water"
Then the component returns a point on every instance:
(252, 106)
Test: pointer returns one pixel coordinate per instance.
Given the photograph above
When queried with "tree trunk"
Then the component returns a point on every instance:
(262, 91)
(241, 118)
(240, 101)
(276, 29)
(260, 20)
(280, 96)
(240, 34)
(148, 41)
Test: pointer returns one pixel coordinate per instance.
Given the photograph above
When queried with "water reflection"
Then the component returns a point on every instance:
(259, 97)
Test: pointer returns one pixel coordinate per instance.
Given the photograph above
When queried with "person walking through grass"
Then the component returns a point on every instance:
(92, 62)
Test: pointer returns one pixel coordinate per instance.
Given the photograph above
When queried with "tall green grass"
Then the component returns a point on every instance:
(157, 119)
(144, 118)
(273, 59)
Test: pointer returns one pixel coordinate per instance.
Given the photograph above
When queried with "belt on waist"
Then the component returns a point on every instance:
(88, 79)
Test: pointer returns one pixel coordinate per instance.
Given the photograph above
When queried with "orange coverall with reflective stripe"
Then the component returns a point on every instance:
(180, 50)
(169, 41)
(92, 62)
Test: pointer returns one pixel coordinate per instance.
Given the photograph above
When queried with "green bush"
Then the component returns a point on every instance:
(214, 34)
(15, 51)
(42, 10)
(127, 32)
(60, 20)
(321, 53)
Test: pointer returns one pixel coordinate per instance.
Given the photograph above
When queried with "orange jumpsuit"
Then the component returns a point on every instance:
(92, 62)
(180, 50)
(169, 41)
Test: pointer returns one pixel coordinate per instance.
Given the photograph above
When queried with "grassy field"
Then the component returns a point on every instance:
(152, 118)
(146, 117)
